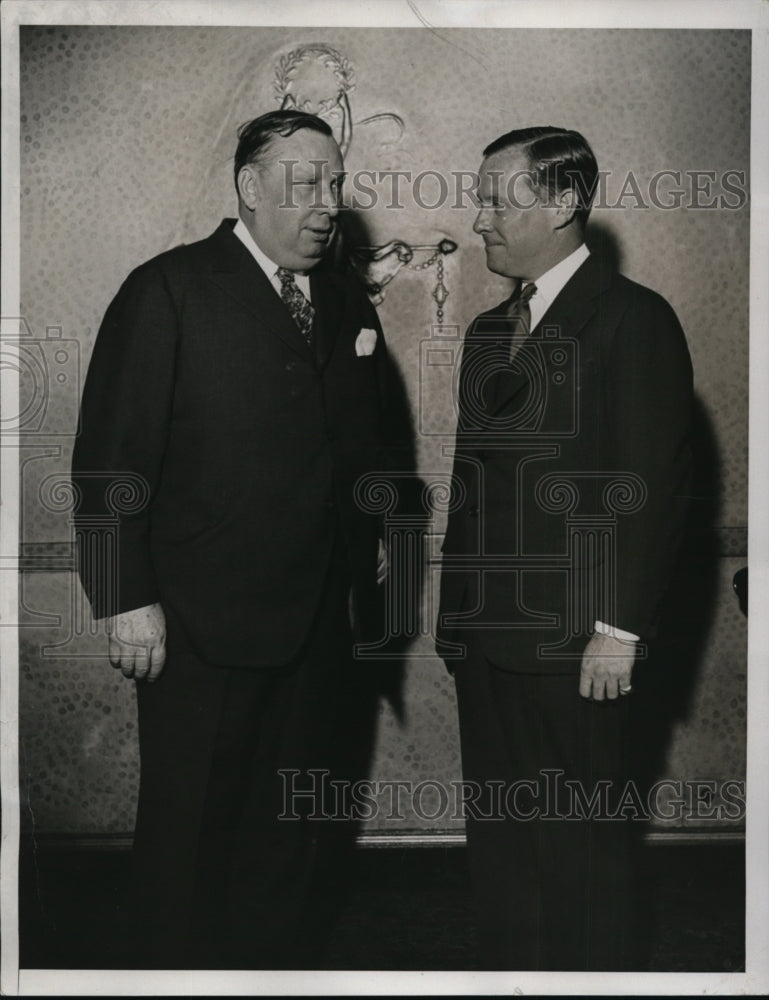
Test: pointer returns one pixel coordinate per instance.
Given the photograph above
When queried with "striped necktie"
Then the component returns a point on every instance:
(519, 314)
(300, 308)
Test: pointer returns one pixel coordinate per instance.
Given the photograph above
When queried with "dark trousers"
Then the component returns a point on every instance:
(551, 887)
(219, 879)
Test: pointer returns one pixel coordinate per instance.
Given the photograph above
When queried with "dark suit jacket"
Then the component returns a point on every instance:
(247, 442)
(571, 473)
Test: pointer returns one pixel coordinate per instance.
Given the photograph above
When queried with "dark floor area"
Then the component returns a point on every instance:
(393, 908)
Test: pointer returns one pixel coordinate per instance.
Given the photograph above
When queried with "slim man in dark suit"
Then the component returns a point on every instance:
(571, 471)
(237, 386)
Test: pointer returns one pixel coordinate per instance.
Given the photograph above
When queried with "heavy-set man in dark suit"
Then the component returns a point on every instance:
(237, 386)
(572, 469)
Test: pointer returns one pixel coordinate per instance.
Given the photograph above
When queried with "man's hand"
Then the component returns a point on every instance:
(382, 563)
(137, 642)
(607, 666)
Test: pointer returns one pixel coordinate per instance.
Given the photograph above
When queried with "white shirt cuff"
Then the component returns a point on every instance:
(616, 633)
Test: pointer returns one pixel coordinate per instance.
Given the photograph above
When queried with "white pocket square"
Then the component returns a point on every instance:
(365, 342)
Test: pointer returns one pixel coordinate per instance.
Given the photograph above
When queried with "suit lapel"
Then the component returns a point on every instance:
(236, 272)
(574, 305)
(488, 353)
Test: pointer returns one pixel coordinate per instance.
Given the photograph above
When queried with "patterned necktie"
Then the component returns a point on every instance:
(519, 314)
(301, 310)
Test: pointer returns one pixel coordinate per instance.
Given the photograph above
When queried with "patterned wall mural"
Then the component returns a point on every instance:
(127, 142)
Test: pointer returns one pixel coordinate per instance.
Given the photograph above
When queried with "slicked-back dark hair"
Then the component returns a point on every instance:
(255, 136)
(560, 160)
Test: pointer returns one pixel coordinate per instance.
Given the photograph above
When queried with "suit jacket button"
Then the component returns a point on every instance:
(474, 511)
(290, 366)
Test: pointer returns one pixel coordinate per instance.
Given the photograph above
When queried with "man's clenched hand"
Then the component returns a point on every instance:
(137, 642)
(607, 665)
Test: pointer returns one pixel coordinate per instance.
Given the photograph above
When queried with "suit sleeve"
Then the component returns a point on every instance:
(118, 455)
(648, 389)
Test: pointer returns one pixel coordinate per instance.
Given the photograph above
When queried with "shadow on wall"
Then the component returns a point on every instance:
(370, 681)
(667, 681)
(664, 685)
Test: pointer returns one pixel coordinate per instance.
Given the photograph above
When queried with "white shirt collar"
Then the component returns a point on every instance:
(269, 266)
(551, 283)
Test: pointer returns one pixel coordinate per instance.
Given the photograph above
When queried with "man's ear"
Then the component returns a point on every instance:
(566, 205)
(248, 185)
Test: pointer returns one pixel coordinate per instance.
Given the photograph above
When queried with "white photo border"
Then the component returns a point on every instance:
(431, 15)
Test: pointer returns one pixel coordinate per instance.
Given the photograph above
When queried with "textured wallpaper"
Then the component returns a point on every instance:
(127, 138)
